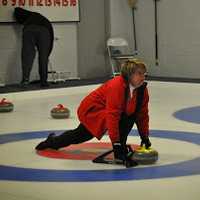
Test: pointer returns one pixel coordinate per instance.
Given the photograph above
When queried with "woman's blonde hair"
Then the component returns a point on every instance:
(131, 66)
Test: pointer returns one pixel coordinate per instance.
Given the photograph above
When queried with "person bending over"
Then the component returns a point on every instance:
(37, 33)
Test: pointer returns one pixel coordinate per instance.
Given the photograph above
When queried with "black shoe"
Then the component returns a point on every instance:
(44, 85)
(25, 82)
(48, 143)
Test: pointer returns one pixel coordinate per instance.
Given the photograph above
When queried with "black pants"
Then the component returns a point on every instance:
(81, 134)
(35, 36)
(125, 125)
(75, 136)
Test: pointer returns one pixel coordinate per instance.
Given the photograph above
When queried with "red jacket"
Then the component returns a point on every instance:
(101, 109)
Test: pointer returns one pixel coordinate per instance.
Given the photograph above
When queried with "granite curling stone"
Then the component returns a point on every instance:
(6, 106)
(145, 156)
(60, 112)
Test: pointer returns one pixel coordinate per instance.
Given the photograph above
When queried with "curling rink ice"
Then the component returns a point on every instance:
(175, 134)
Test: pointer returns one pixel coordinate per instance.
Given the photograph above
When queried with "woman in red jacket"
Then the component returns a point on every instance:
(114, 107)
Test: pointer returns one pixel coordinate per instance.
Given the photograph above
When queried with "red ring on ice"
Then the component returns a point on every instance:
(84, 151)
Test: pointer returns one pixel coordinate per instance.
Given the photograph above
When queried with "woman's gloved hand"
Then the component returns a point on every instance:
(145, 141)
(122, 153)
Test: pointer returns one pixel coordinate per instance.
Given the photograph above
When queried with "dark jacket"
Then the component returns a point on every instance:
(27, 18)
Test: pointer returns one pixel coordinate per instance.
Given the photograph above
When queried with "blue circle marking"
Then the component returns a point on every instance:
(191, 114)
(185, 168)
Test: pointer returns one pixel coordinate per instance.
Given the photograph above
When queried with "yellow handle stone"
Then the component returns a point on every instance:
(142, 149)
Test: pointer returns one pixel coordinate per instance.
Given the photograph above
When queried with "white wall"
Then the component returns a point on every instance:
(10, 53)
(179, 22)
(92, 39)
(121, 21)
(121, 25)
(178, 34)
(64, 56)
(145, 30)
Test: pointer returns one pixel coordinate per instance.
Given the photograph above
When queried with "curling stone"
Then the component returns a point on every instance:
(60, 112)
(6, 106)
(145, 156)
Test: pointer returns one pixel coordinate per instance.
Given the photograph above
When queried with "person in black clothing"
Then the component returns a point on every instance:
(37, 33)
